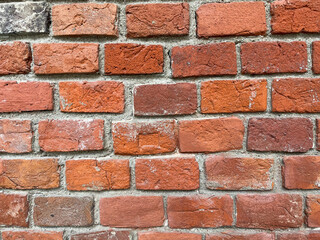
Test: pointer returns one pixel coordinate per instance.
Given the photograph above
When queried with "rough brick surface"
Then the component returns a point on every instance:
(14, 210)
(318, 133)
(25, 96)
(15, 58)
(167, 174)
(58, 58)
(129, 58)
(239, 236)
(157, 19)
(295, 16)
(139, 138)
(29, 174)
(89, 97)
(28, 17)
(316, 57)
(165, 99)
(301, 172)
(168, 235)
(103, 235)
(204, 60)
(299, 236)
(211, 135)
(132, 211)
(236, 18)
(97, 175)
(71, 135)
(272, 211)
(63, 211)
(199, 211)
(313, 210)
(84, 19)
(274, 57)
(227, 96)
(15, 136)
(280, 135)
(224, 173)
(32, 235)
(296, 95)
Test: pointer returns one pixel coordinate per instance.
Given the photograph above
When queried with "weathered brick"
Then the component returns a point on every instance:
(197, 211)
(29, 173)
(296, 95)
(132, 211)
(316, 57)
(204, 60)
(274, 57)
(299, 236)
(211, 135)
(25, 96)
(295, 16)
(103, 235)
(15, 136)
(63, 211)
(168, 235)
(71, 135)
(129, 58)
(165, 99)
(14, 210)
(318, 134)
(273, 211)
(301, 172)
(280, 134)
(15, 58)
(32, 235)
(140, 138)
(228, 96)
(236, 18)
(230, 235)
(97, 175)
(58, 58)
(100, 96)
(225, 173)
(84, 19)
(28, 17)
(157, 19)
(313, 210)
(167, 174)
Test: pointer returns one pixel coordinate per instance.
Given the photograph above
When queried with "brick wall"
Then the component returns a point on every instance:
(160, 120)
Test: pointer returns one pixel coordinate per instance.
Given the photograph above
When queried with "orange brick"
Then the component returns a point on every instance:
(168, 235)
(32, 235)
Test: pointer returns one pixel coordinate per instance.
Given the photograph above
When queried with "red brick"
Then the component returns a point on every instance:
(57, 58)
(71, 135)
(140, 138)
(301, 172)
(299, 236)
(89, 97)
(200, 211)
(313, 210)
(25, 96)
(165, 99)
(274, 57)
(129, 58)
(29, 173)
(204, 60)
(225, 173)
(318, 134)
(316, 57)
(228, 96)
(280, 134)
(15, 58)
(211, 135)
(295, 16)
(296, 95)
(167, 174)
(227, 19)
(273, 211)
(157, 19)
(132, 211)
(168, 235)
(63, 211)
(103, 235)
(239, 236)
(84, 19)
(32, 235)
(15, 136)
(14, 210)
(96, 175)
